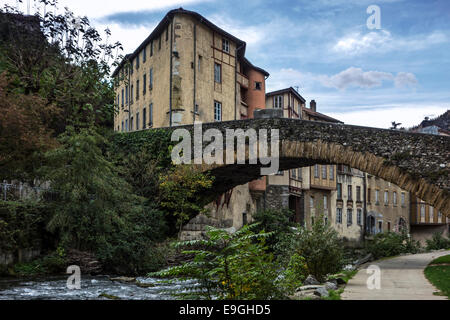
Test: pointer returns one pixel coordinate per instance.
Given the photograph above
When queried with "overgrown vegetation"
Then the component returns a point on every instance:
(228, 266)
(391, 244)
(110, 193)
(438, 241)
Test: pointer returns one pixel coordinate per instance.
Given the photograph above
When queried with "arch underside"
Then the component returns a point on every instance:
(296, 154)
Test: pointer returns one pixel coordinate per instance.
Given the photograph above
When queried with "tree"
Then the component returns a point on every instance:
(181, 192)
(24, 136)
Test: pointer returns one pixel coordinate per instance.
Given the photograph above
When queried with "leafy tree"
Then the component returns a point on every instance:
(228, 266)
(438, 241)
(390, 244)
(278, 222)
(24, 135)
(181, 192)
(321, 248)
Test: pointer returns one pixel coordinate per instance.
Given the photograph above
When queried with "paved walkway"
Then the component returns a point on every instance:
(402, 278)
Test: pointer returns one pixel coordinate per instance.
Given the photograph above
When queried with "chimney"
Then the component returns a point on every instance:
(313, 105)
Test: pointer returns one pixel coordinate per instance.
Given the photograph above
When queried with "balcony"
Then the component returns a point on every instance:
(242, 80)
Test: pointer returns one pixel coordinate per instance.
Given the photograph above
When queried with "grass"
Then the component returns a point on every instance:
(439, 276)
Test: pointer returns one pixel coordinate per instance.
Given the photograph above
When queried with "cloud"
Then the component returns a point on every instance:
(405, 79)
(355, 77)
(383, 41)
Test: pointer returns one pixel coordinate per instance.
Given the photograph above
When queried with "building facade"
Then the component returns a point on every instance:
(187, 71)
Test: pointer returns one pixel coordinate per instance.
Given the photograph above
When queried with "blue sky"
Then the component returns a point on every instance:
(361, 76)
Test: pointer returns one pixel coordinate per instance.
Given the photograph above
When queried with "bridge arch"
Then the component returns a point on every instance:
(418, 163)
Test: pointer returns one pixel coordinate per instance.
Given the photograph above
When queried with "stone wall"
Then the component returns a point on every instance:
(21, 255)
(421, 233)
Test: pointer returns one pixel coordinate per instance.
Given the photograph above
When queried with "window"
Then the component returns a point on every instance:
(339, 191)
(386, 197)
(199, 66)
(389, 227)
(324, 171)
(122, 126)
(403, 199)
(299, 173)
(122, 98)
(144, 119)
(369, 197)
(226, 45)
(422, 212)
(126, 125)
(325, 202)
(217, 111)
(137, 61)
(349, 217)
(131, 124)
(394, 198)
(144, 84)
(151, 48)
(144, 55)
(380, 226)
(278, 102)
(349, 194)
(377, 196)
(331, 172)
(311, 202)
(150, 114)
(316, 171)
(294, 174)
(431, 214)
(131, 94)
(258, 85)
(217, 73)
(137, 90)
(359, 216)
(137, 121)
(126, 95)
(338, 215)
(151, 78)
(358, 193)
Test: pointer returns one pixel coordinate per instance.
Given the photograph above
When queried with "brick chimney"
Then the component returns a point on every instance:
(313, 105)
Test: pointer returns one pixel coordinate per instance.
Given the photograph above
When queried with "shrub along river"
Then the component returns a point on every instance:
(92, 288)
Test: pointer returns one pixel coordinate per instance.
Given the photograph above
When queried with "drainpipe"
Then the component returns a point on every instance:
(365, 206)
(235, 79)
(195, 70)
(171, 70)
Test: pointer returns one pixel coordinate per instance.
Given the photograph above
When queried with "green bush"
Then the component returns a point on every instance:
(392, 244)
(294, 275)
(228, 266)
(321, 248)
(279, 223)
(438, 241)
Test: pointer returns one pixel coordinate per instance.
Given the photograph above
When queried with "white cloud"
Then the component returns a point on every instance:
(383, 41)
(356, 77)
(405, 79)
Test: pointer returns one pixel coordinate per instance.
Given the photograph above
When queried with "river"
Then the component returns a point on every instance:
(55, 288)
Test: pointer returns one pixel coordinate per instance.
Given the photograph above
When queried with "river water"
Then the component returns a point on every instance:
(55, 288)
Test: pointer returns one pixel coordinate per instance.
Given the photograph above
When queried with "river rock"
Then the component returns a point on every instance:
(310, 280)
(331, 285)
(309, 287)
(321, 292)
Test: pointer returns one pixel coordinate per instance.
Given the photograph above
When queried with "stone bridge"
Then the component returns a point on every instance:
(418, 163)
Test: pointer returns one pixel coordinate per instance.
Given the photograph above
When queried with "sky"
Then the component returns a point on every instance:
(359, 75)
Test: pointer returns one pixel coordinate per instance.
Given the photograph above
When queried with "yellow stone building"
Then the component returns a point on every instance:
(189, 70)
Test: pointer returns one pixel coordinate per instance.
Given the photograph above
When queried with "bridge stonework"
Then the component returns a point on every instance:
(418, 163)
